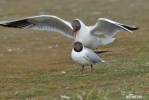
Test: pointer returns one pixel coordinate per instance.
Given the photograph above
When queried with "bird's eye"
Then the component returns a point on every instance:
(78, 27)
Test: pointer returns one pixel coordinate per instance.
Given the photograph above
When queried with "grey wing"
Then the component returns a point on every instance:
(109, 28)
(42, 22)
(92, 56)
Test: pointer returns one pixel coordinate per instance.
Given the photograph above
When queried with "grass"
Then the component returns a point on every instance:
(36, 65)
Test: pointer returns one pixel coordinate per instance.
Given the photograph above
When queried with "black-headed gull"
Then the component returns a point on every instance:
(77, 29)
(84, 56)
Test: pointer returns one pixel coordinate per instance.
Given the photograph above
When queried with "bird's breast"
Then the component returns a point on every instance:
(87, 39)
(79, 58)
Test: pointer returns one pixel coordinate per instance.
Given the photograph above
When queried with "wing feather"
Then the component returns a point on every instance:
(109, 28)
(92, 56)
(42, 22)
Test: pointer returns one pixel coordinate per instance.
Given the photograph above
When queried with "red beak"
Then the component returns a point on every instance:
(75, 32)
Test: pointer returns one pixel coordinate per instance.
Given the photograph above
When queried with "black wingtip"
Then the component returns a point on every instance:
(134, 28)
(16, 24)
(100, 52)
(130, 27)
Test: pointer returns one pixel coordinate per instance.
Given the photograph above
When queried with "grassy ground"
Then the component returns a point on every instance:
(36, 65)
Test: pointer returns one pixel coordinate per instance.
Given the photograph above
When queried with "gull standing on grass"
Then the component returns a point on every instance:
(84, 56)
(76, 30)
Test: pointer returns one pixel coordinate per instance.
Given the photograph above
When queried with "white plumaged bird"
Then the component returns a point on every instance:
(77, 29)
(84, 56)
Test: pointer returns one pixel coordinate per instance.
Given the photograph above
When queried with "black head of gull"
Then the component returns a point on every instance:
(76, 26)
(78, 47)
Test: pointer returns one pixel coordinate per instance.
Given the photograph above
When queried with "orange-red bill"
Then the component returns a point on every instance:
(74, 33)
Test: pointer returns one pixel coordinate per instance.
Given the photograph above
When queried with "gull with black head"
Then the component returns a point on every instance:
(76, 30)
(84, 56)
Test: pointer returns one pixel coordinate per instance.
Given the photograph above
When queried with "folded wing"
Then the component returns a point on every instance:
(42, 22)
(92, 56)
(109, 28)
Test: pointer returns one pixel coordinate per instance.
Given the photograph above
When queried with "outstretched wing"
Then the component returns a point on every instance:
(109, 28)
(42, 22)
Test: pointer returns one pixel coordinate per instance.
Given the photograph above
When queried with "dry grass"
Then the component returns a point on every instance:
(37, 65)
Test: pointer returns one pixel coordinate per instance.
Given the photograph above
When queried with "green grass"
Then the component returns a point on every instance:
(32, 66)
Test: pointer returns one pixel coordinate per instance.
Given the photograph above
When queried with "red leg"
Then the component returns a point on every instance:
(91, 68)
(82, 70)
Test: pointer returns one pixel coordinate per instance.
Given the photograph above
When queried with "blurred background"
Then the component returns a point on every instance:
(37, 64)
